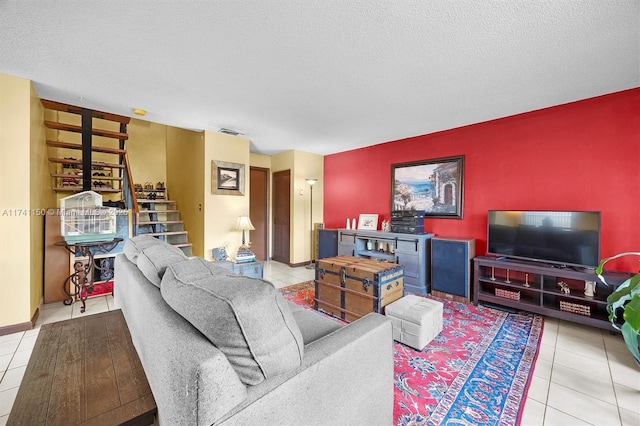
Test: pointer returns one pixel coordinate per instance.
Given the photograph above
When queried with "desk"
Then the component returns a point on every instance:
(82, 277)
(84, 371)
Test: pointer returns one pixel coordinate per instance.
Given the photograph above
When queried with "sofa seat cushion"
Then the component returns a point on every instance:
(133, 246)
(153, 260)
(246, 318)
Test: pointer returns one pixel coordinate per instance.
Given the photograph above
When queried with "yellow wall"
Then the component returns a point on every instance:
(185, 168)
(147, 152)
(303, 165)
(41, 197)
(180, 158)
(260, 160)
(221, 211)
(306, 166)
(21, 284)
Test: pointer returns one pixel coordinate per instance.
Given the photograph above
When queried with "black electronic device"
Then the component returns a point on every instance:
(407, 214)
(407, 229)
(565, 238)
(407, 221)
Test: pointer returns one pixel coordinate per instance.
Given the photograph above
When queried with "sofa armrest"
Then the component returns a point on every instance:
(346, 378)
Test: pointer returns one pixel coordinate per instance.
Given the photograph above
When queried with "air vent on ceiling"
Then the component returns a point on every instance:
(229, 131)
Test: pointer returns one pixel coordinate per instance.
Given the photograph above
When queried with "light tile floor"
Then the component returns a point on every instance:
(583, 375)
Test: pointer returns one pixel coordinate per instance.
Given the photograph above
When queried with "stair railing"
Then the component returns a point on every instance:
(129, 194)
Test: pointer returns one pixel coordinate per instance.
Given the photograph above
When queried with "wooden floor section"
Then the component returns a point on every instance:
(84, 371)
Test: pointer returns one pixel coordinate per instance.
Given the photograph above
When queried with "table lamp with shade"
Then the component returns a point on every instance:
(244, 253)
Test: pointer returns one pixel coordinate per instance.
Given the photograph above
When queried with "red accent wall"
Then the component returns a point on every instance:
(579, 156)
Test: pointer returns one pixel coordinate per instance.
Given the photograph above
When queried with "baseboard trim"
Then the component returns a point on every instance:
(23, 326)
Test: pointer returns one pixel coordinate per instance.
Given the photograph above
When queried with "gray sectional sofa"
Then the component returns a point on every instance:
(220, 348)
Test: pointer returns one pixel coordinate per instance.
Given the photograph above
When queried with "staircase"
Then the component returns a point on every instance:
(70, 175)
(161, 219)
(153, 214)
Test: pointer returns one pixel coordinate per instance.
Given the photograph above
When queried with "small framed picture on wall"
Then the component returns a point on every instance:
(227, 178)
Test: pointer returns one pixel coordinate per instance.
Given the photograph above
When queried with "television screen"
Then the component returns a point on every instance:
(559, 237)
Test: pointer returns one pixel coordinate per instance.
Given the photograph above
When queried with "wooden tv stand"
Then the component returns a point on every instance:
(538, 288)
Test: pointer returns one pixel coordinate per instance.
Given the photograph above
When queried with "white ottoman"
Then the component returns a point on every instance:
(416, 320)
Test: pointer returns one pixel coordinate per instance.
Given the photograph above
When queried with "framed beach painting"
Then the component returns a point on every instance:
(434, 186)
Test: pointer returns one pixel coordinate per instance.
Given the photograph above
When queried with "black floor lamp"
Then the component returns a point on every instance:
(311, 182)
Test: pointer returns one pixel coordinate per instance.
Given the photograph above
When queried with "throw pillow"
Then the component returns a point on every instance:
(133, 246)
(153, 261)
(246, 318)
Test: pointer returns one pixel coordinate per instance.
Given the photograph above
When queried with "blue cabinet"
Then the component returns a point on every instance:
(412, 251)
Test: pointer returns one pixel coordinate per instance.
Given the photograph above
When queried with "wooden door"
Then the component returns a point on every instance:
(259, 210)
(281, 216)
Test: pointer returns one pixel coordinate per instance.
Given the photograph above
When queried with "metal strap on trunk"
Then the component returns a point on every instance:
(366, 284)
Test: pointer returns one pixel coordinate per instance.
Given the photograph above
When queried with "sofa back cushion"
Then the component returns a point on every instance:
(153, 260)
(246, 318)
(133, 246)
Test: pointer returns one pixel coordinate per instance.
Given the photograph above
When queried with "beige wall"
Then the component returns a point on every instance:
(41, 197)
(147, 151)
(306, 166)
(185, 168)
(20, 198)
(303, 165)
(260, 160)
(180, 158)
(222, 211)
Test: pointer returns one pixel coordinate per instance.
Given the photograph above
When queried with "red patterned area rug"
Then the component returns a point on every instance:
(477, 371)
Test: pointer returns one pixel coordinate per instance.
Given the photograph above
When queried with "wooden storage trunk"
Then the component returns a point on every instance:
(349, 288)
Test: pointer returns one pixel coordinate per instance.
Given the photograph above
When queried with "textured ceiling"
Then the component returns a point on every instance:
(322, 76)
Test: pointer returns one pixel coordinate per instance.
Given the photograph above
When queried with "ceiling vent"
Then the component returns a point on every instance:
(229, 131)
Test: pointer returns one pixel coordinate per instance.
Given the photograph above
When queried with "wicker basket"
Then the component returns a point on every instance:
(507, 294)
(575, 308)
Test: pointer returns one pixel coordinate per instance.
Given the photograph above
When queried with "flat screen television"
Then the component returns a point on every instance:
(563, 238)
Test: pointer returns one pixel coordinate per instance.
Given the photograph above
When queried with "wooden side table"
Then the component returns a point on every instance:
(82, 277)
(84, 371)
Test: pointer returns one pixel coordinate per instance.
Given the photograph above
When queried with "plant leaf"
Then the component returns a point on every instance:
(600, 267)
(631, 339)
(632, 313)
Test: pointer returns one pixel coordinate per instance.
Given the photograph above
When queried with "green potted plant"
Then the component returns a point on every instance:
(623, 306)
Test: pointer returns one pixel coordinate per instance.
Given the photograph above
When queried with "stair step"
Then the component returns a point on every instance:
(182, 244)
(157, 201)
(78, 129)
(159, 211)
(79, 163)
(59, 106)
(157, 234)
(75, 188)
(160, 222)
(69, 145)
